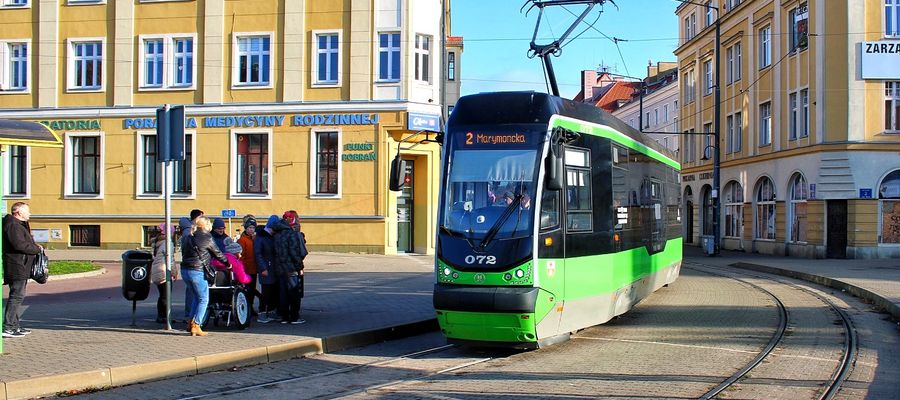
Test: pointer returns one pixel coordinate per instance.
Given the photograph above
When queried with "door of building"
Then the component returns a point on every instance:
(836, 245)
(405, 212)
(689, 222)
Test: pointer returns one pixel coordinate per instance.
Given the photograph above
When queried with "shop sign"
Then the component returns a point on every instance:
(688, 178)
(335, 119)
(706, 175)
(370, 156)
(248, 121)
(256, 121)
(423, 122)
(880, 60)
(150, 123)
(73, 125)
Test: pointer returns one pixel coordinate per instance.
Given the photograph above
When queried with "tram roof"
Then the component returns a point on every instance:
(529, 107)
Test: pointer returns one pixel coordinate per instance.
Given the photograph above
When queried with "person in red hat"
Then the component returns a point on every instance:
(290, 250)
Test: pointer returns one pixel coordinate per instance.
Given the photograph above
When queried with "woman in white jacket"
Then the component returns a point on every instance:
(158, 269)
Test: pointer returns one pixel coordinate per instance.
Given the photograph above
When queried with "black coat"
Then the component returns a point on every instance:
(19, 249)
(196, 258)
(290, 250)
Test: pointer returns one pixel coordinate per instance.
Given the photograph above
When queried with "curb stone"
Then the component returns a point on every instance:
(77, 275)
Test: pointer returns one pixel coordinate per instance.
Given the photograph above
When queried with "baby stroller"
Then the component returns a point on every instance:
(227, 302)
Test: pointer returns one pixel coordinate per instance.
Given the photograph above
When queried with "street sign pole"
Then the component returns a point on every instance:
(167, 186)
(2, 148)
(170, 147)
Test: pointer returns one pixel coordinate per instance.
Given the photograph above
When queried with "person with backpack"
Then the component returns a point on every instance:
(290, 250)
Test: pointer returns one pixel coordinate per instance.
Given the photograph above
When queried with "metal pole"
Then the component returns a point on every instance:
(2, 150)
(167, 165)
(716, 192)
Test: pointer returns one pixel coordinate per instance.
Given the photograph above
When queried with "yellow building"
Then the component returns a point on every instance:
(289, 105)
(810, 125)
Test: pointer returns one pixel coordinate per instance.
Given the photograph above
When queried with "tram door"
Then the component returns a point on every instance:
(405, 212)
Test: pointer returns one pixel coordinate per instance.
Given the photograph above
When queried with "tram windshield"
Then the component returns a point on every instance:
(490, 194)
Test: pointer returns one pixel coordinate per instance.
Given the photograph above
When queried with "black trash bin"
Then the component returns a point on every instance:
(136, 274)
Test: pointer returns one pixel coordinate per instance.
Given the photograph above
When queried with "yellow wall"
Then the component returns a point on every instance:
(326, 15)
(254, 16)
(168, 18)
(862, 223)
(815, 214)
(19, 24)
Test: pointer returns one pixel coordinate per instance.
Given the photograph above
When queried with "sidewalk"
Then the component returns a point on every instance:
(82, 334)
(83, 338)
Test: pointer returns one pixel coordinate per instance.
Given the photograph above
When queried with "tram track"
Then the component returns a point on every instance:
(850, 339)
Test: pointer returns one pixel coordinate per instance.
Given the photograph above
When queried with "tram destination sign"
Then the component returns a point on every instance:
(496, 139)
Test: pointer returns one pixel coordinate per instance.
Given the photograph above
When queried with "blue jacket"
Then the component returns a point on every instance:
(264, 249)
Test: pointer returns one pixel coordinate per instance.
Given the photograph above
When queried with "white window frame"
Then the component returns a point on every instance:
(792, 116)
(70, 64)
(709, 14)
(690, 93)
(69, 166)
(665, 113)
(765, 124)
(451, 66)
(10, 4)
(738, 132)
(233, 166)
(390, 49)
(316, 51)
(169, 64)
(792, 207)
(424, 59)
(882, 200)
(313, 166)
(765, 46)
(708, 141)
(6, 70)
(236, 84)
(729, 65)
(708, 78)
(7, 168)
(794, 36)
(758, 206)
(736, 206)
(139, 168)
(891, 11)
(729, 134)
(892, 97)
(656, 116)
(738, 63)
(803, 99)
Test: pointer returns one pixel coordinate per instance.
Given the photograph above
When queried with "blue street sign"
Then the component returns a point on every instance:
(865, 193)
(229, 213)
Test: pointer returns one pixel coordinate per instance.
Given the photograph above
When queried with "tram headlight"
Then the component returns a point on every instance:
(520, 273)
(446, 271)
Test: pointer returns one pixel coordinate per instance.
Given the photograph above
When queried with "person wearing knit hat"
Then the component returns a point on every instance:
(247, 219)
(219, 235)
(264, 252)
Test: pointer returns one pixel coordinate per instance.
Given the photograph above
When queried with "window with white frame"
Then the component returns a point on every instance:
(738, 132)
(451, 66)
(13, 3)
(656, 116)
(689, 88)
(734, 210)
(389, 56)
(765, 123)
(690, 27)
(151, 171)
(251, 162)
(797, 209)
(733, 63)
(892, 106)
(765, 209)
(708, 74)
(328, 65)
(326, 163)
(709, 14)
(889, 204)
(803, 131)
(690, 146)
(738, 64)
(765, 47)
(423, 58)
(16, 167)
(891, 18)
(14, 71)
(167, 62)
(253, 60)
(86, 65)
(708, 142)
(665, 113)
(84, 164)
(792, 116)
(729, 134)
(798, 18)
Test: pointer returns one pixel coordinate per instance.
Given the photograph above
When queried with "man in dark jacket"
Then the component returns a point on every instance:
(289, 253)
(19, 250)
(264, 251)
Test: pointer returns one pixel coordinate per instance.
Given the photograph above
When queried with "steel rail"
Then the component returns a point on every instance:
(851, 340)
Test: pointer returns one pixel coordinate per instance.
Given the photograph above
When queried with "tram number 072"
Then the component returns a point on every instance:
(470, 259)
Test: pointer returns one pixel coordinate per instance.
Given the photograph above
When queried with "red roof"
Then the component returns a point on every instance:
(620, 91)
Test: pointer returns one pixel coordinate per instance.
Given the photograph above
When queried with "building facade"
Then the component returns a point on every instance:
(659, 105)
(809, 135)
(289, 105)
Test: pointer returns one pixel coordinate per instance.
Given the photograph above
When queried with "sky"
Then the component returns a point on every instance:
(496, 37)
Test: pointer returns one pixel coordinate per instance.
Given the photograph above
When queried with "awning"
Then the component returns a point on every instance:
(24, 133)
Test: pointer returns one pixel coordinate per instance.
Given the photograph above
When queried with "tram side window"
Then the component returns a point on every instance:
(578, 190)
(620, 185)
(549, 210)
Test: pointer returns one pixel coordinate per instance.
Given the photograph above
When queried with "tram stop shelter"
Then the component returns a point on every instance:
(21, 133)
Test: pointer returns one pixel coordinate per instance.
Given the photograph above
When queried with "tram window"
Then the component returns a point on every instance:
(578, 200)
(620, 156)
(550, 210)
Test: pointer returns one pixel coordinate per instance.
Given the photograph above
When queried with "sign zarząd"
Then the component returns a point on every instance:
(880, 60)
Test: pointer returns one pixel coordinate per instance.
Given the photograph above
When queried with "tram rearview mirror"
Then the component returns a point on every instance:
(554, 165)
(397, 171)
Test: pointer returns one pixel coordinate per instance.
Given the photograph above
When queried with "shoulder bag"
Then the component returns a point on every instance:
(209, 273)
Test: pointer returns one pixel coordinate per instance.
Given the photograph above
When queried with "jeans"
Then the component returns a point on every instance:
(197, 290)
(13, 310)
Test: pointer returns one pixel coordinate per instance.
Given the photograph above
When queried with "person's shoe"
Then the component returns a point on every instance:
(196, 331)
(24, 331)
(263, 319)
(284, 321)
(12, 334)
(298, 322)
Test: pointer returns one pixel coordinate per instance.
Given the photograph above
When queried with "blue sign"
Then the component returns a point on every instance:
(423, 122)
(229, 213)
(812, 190)
(865, 193)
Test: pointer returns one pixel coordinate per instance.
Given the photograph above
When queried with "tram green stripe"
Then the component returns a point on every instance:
(612, 134)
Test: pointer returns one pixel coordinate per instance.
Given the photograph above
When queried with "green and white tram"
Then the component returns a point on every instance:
(554, 216)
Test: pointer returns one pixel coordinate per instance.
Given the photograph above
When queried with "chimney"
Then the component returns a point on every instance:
(588, 80)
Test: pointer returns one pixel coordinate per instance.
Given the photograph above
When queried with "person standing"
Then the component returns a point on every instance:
(196, 250)
(19, 250)
(248, 258)
(288, 264)
(264, 249)
(158, 269)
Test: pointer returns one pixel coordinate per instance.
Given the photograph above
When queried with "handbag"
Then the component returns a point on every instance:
(39, 269)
